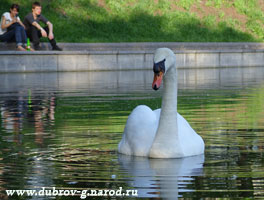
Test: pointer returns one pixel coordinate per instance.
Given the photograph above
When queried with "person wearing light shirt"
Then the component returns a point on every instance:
(12, 29)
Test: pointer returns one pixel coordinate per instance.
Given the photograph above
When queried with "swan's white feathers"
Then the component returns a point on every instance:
(141, 126)
(191, 142)
(167, 54)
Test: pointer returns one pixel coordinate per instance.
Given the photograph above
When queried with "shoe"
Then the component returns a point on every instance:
(20, 48)
(56, 48)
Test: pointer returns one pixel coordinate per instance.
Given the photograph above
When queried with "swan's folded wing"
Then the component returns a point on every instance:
(191, 142)
(139, 132)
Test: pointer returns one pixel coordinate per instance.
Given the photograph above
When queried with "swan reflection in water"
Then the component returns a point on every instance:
(163, 178)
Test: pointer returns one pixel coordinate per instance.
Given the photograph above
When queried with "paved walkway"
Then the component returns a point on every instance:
(150, 46)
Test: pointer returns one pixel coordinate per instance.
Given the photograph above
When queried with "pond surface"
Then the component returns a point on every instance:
(62, 130)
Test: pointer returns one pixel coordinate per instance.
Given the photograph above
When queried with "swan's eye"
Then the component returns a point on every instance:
(159, 67)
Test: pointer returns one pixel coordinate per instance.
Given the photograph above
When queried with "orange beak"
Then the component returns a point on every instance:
(157, 80)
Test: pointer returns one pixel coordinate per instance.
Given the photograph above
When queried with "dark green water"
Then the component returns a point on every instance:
(62, 130)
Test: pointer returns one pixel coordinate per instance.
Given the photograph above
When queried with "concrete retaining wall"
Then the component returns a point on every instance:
(51, 61)
(147, 46)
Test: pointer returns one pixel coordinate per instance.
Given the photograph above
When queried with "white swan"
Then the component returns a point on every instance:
(162, 133)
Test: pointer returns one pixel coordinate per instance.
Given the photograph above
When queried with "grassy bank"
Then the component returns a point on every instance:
(152, 20)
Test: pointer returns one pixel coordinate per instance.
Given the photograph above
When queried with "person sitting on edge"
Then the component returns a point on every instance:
(35, 31)
(12, 29)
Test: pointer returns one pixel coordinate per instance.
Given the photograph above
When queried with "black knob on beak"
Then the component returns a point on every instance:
(155, 87)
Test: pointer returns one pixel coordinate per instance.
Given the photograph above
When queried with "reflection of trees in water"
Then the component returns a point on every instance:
(235, 149)
(231, 174)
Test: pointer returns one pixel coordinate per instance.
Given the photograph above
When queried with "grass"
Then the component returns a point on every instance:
(152, 20)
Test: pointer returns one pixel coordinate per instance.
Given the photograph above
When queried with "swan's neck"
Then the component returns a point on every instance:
(168, 116)
(166, 138)
(168, 128)
(169, 99)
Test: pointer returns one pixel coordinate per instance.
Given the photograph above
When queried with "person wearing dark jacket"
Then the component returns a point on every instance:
(35, 31)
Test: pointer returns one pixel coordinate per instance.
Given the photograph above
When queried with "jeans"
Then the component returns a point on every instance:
(34, 34)
(16, 34)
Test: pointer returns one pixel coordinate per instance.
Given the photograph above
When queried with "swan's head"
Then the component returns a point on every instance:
(164, 60)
